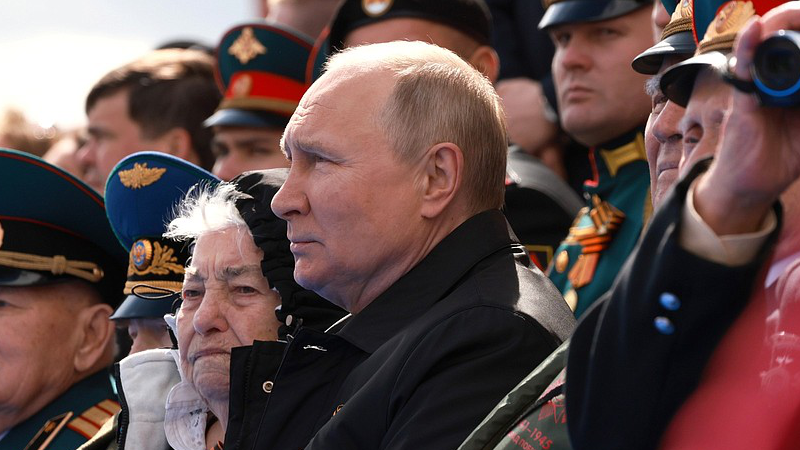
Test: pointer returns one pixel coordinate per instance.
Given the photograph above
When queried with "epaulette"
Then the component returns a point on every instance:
(90, 421)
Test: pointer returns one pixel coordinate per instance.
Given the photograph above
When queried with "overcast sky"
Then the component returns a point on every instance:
(52, 51)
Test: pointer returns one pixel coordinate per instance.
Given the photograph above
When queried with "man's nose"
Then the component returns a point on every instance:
(291, 199)
(574, 56)
(209, 316)
(666, 126)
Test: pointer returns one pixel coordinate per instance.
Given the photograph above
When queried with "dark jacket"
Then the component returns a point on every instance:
(628, 377)
(422, 364)
(539, 205)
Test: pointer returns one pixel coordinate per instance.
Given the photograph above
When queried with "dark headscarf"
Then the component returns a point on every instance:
(299, 306)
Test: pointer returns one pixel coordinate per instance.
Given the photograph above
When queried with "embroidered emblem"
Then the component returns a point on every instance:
(142, 254)
(722, 30)
(686, 9)
(680, 21)
(246, 47)
(91, 420)
(376, 8)
(733, 15)
(48, 432)
(161, 259)
(140, 176)
(242, 86)
(562, 260)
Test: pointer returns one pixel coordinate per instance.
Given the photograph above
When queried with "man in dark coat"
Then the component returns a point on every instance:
(392, 203)
(539, 205)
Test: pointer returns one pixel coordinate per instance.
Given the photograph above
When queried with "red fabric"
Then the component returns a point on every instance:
(268, 86)
(735, 407)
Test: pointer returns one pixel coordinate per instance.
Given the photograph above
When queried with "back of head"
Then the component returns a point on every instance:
(438, 98)
(172, 88)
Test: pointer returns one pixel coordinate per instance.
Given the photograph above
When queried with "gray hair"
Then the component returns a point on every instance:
(206, 209)
(438, 97)
(652, 87)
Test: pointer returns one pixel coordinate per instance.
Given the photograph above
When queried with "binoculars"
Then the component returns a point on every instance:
(776, 70)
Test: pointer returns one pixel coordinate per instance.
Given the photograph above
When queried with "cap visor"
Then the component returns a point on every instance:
(139, 308)
(649, 61)
(678, 81)
(244, 118)
(570, 11)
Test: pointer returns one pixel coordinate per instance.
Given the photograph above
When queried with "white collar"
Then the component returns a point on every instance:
(777, 268)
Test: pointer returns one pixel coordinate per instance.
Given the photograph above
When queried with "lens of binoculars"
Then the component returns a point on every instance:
(776, 69)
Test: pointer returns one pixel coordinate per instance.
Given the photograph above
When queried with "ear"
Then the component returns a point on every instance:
(443, 170)
(178, 142)
(485, 59)
(96, 334)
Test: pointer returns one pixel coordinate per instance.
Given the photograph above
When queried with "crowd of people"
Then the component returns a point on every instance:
(417, 224)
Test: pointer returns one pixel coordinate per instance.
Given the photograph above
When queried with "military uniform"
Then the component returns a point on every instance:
(606, 230)
(56, 231)
(70, 419)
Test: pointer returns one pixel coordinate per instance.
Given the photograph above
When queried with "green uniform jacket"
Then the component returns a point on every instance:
(607, 229)
(531, 416)
(91, 400)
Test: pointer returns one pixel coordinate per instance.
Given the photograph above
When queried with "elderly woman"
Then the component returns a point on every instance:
(238, 289)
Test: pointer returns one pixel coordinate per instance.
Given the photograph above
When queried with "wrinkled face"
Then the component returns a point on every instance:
(38, 342)
(599, 94)
(238, 150)
(112, 136)
(352, 207)
(701, 125)
(146, 333)
(411, 29)
(227, 303)
(662, 138)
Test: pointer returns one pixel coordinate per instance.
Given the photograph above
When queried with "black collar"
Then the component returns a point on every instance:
(426, 283)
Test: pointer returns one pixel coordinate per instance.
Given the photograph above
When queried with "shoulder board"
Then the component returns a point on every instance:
(90, 421)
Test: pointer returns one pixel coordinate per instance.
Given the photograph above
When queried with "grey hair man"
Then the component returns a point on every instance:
(392, 203)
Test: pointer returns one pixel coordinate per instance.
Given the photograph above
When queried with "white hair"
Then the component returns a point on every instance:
(206, 209)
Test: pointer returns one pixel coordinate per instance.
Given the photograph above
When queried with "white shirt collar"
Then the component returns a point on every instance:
(777, 268)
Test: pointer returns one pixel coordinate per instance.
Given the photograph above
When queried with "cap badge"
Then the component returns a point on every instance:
(733, 15)
(142, 254)
(376, 8)
(686, 9)
(246, 46)
(722, 30)
(242, 86)
(140, 176)
(152, 258)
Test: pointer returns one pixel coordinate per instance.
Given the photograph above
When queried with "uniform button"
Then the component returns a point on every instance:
(289, 320)
(664, 325)
(669, 301)
(267, 386)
